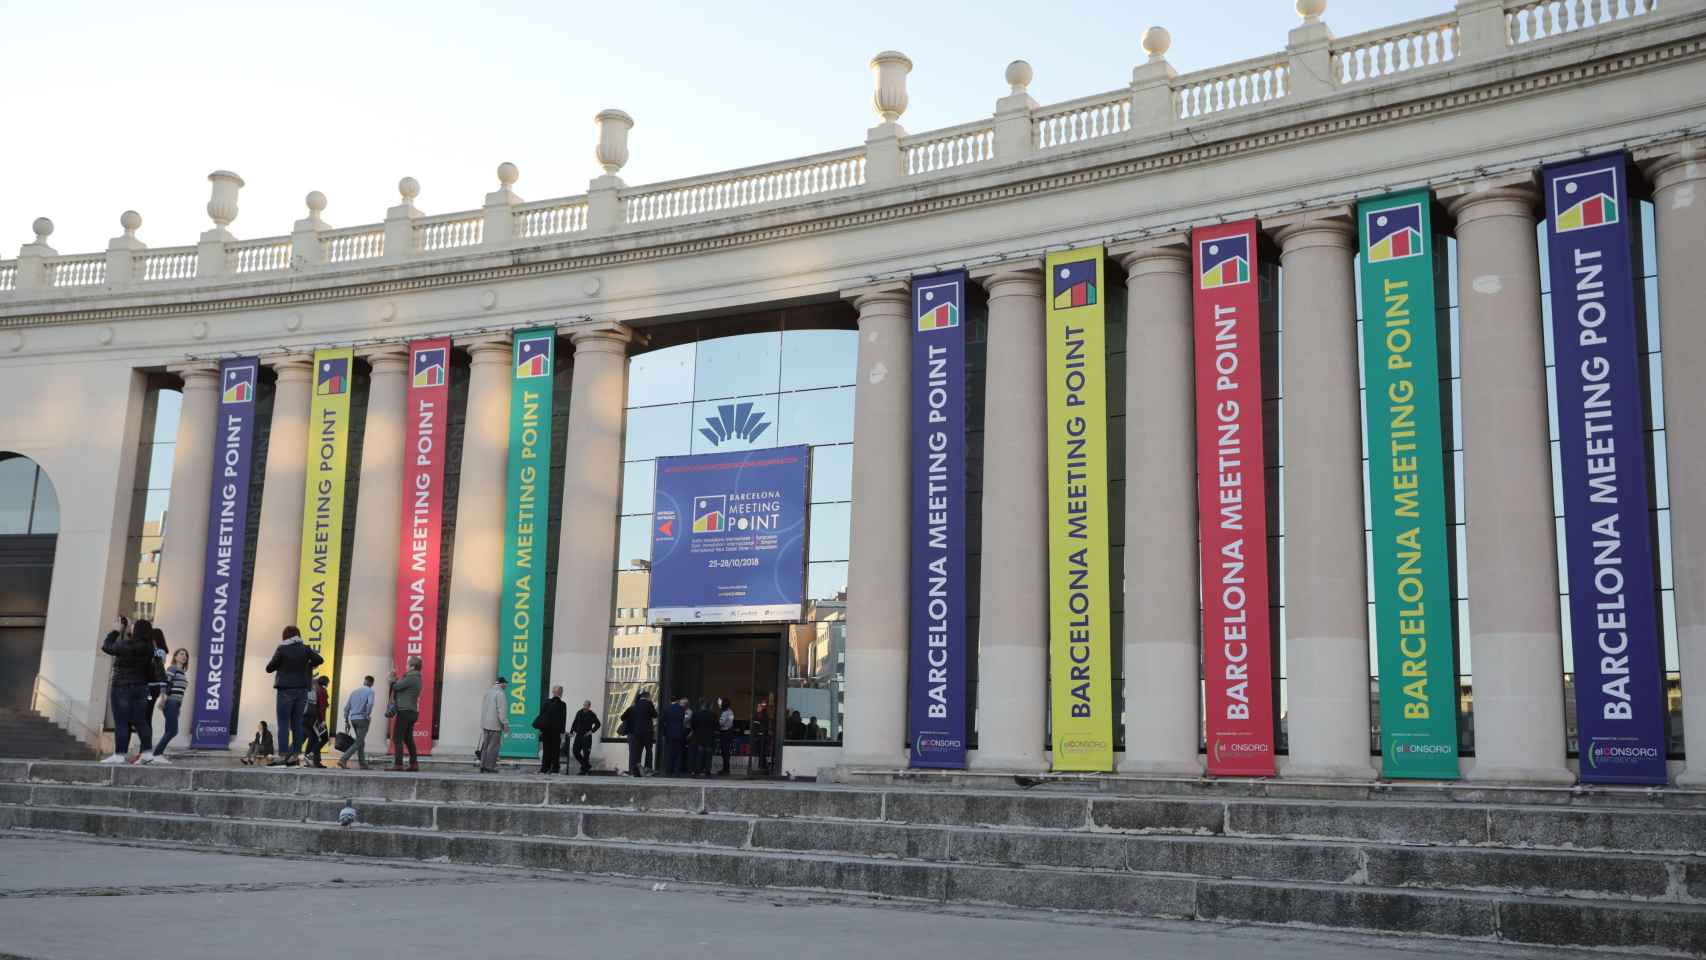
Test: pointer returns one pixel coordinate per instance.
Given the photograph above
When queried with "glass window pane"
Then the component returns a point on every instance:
(819, 358)
(634, 542)
(661, 376)
(747, 423)
(160, 466)
(738, 366)
(637, 479)
(46, 518)
(166, 408)
(17, 490)
(818, 416)
(832, 473)
(826, 581)
(658, 432)
(155, 509)
(832, 525)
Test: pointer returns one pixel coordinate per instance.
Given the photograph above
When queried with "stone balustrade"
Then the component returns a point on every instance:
(1313, 65)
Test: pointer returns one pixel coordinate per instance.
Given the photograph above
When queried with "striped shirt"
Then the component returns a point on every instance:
(177, 682)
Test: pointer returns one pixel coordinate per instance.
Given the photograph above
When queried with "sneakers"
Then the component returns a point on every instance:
(277, 762)
(161, 758)
(115, 758)
(146, 758)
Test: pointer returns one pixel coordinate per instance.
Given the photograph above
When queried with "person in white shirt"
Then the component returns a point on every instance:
(494, 720)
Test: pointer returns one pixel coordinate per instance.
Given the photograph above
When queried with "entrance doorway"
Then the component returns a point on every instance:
(742, 664)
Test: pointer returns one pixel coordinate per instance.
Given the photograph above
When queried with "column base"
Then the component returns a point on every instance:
(1693, 775)
(1140, 766)
(872, 761)
(1327, 771)
(978, 760)
(1558, 776)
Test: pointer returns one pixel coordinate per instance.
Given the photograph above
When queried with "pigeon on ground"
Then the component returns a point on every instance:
(346, 816)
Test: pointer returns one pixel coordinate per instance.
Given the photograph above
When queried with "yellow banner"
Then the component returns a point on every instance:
(1080, 667)
(323, 509)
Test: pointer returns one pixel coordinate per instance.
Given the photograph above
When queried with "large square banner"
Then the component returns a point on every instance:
(1602, 453)
(729, 537)
(1080, 618)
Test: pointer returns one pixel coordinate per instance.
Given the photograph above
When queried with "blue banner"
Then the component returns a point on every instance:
(729, 537)
(216, 678)
(1597, 337)
(936, 725)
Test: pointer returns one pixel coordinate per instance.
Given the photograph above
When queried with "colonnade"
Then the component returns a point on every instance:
(1513, 607)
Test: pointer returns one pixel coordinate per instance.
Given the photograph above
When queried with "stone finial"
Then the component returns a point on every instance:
(508, 174)
(890, 69)
(316, 202)
(408, 188)
(222, 205)
(1156, 42)
(43, 228)
(1019, 74)
(1311, 10)
(131, 221)
(612, 150)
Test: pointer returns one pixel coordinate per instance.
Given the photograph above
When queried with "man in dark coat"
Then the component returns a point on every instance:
(637, 727)
(672, 726)
(132, 650)
(292, 665)
(586, 724)
(553, 720)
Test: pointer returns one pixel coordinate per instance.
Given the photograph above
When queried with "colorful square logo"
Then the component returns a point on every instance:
(432, 366)
(937, 307)
(1584, 200)
(1225, 261)
(1073, 284)
(709, 514)
(533, 356)
(239, 385)
(1394, 233)
(331, 377)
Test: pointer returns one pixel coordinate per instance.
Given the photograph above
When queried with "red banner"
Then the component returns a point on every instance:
(423, 516)
(1232, 502)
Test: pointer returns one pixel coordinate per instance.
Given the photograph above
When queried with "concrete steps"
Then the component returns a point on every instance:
(25, 733)
(1631, 876)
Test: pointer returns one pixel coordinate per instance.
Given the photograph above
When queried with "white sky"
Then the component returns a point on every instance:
(113, 106)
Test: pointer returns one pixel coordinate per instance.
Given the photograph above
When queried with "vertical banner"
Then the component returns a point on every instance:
(227, 540)
(522, 625)
(1597, 337)
(1080, 667)
(937, 680)
(1232, 512)
(1406, 488)
(323, 509)
(416, 633)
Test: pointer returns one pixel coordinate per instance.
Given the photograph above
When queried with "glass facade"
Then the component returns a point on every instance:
(28, 504)
(153, 489)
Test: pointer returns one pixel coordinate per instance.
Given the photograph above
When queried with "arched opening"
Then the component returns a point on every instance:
(29, 532)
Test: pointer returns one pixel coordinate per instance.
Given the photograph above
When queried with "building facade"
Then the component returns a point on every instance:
(786, 290)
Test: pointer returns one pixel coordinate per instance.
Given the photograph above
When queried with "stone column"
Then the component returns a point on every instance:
(370, 619)
(1326, 590)
(1678, 175)
(278, 543)
(1013, 625)
(875, 732)
(592, 491)
(1514, 631)
(183, 544)
(1162, 619)
(476, 575)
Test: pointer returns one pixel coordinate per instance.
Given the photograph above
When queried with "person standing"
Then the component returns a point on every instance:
(637, 727)
(318, 702)
(156, 690)
(177, 684)
(406, 698)
(494, 720)
(672, 727)
(762, 734)
(132, 650)
(586, 724)
(293, 666)
(358, 713)
(553, 719)
(704, 733)
(725, 732)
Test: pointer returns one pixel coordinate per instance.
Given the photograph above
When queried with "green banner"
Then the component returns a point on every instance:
(1406, 488)
(522, 622)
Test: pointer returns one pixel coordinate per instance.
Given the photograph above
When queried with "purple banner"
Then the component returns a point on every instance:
(215, 677)
(1601, 392)
(936, 722)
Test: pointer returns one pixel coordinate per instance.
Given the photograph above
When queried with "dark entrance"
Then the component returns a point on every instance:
(743, 664)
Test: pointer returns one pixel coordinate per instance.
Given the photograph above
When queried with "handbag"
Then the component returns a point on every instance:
(344, 741)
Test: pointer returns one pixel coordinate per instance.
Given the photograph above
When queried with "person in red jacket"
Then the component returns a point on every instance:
(317, 732)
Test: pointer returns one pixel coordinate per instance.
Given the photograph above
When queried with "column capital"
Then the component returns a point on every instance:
(291, 368)
(489, 348)
(1334, 227)
(197, 375)
(1022, 277)
(386, 357)
(1673, 164)
(1504, 195)
(883, 291)
(1166, 253)
(606, 337)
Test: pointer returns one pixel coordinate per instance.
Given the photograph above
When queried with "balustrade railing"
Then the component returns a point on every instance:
(946, 149)
(1531, 20)
(260, 256)
(826, 173)
(449, 232)
(550, 218)
(1251, 83)
(1077, 121)
(179, 264)
(1378, 54)
(82, 272)
(8, 276)
(353, 243)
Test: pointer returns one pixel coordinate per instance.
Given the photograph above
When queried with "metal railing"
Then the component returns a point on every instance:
(63, 711)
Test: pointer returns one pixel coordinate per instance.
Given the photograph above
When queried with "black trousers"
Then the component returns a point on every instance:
(583, 751)
(551, 757)
(403, 736)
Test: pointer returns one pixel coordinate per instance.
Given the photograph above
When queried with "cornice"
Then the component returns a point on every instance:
(542, 262)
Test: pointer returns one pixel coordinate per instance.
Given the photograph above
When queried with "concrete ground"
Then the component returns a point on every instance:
(75, 898)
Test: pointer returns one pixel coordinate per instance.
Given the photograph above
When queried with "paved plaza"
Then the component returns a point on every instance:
(65, 899)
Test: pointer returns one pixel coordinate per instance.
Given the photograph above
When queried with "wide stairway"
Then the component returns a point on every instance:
(1622, 869)
(25, 733)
